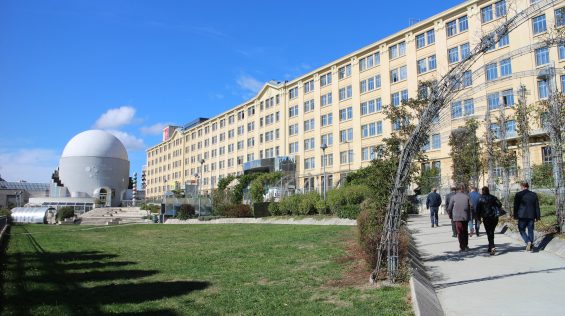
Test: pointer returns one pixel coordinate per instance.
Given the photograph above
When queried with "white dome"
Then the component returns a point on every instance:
(95, 143)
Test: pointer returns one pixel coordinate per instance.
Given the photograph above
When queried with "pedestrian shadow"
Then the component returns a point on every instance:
(494, 277)
(481, 251)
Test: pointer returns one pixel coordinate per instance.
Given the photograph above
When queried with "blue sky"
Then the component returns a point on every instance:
(131, 66)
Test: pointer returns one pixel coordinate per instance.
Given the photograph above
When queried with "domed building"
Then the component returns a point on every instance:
(95, 164)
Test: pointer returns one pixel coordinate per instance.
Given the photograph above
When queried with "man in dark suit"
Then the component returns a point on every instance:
(526, 211)
(433, 203)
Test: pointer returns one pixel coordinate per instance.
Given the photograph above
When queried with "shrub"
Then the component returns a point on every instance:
(307, 203)
(257, 186)
(322, 207)
(274, 209)
(546, 199)
(348, 211)
(150, 207)
(289, 204)
(221, 201)
(238, 210)
(186, 211)
(5, 212)
(542, 176)
(348, 195)
(65, 212)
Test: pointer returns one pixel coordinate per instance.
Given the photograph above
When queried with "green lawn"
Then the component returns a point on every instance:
(187, 269)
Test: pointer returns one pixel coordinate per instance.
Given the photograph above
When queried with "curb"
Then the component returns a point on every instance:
(545, 242)
(424, 296)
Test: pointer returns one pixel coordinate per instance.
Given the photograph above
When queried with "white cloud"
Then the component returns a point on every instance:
(155, 129)
(249, 83)
(130, 141)
(30, 164)
(114, 118)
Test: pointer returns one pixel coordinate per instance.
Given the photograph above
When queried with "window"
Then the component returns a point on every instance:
(398, 74)
(562, 83)
(326, 119)
(510, 128)
(421, 66)
(456, 110)
(561, 51)
(546, 154)
(368, 130)
(542, 56)
(368, 153)
(539, 24)
(293, 129)
(467, 79)
(491, 72)
(432, 62)
(507, 97)
(560, 17)
(293, 147)
(493, 101)
(436, 141)
(309, 163)
(465, 51)
(309, 144)
(543, 90)
(451, 28)
(346, 157)
(486, 14)
(469, 107)
(495, 130)
(369, 61)
(371, 106)
(327, 139)
(293, 111)
(453, 55)
(326, 99)
(293, 93)
(327, 160)
(309, 125)
(505, 67)
(379, 127)
(420, 40)
(309, 106)
(345, 93)
(504, 41)
(346, 114)
(463, 23)
(500, 8)
(344, 72)
(397, 50)
(346, 135)
(431, 36)
(395, 99)
(326, 79)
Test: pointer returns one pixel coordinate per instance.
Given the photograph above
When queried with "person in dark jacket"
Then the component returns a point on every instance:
(526, 211)
(433, 202)
(485, 210)
(475, 221)
(447, 200)
(459, 210)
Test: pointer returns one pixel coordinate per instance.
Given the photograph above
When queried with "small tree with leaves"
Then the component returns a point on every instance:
(465, 154)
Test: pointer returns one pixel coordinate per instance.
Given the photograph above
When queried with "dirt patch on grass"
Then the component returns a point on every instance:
(357, 271)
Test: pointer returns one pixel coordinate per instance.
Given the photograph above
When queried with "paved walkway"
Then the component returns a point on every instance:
(513, 282)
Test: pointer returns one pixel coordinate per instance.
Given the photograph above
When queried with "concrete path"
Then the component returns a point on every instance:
(513, 282)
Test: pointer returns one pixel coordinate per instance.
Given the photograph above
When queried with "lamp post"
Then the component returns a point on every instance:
(164, 199)
(202, 161)
(324, 162)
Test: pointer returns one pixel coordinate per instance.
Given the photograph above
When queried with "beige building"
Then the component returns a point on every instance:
(341, 103)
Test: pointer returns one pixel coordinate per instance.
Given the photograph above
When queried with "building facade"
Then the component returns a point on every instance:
(341, 104)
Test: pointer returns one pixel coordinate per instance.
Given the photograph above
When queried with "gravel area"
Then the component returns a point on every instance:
(272, 220)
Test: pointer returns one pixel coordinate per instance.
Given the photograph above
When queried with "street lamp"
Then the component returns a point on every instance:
(164, 199)
(201, 181)
(324, 162)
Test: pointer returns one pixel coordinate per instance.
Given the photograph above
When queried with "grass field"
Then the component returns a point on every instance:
(189, 270)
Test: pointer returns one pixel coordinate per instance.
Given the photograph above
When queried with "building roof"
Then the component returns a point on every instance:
(27, 186)
(95, 143)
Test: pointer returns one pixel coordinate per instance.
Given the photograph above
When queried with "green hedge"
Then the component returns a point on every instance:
(185, 212)
(348, 195)
(65, 212)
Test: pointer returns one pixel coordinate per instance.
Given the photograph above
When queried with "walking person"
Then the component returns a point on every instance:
(460, 211)
(486, 210)
(475, 218)
(526, 211)
(447, 200)
(433, 202)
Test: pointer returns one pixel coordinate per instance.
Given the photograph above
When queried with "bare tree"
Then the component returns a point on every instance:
(523, 128)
